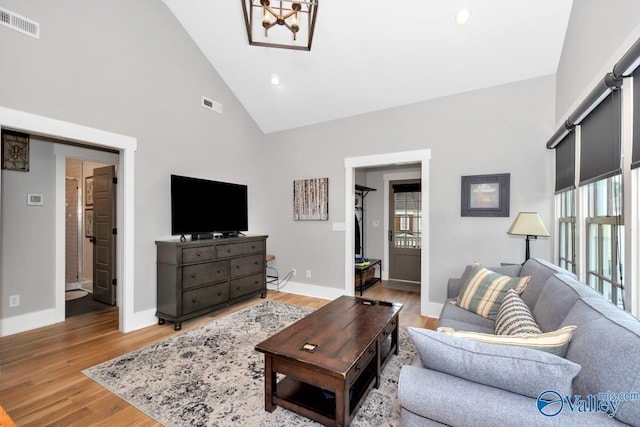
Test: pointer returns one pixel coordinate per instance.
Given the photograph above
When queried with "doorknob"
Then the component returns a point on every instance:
(92, 239)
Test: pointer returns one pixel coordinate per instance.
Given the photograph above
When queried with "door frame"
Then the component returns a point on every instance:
(387, 178)
(422, 157)
(126, 146)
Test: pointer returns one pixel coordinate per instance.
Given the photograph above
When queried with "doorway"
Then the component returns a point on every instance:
(421, 157)
(80, 261)
(126, 147)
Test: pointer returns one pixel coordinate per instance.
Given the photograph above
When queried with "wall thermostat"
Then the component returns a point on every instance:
(35, 200)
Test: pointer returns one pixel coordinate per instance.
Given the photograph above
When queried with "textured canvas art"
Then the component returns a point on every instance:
(311, 199)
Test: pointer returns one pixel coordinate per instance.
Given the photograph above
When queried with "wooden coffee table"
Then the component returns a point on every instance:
(331, 359)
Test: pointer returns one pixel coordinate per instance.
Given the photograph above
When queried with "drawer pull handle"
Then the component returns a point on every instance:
(237, 267)
(371, 351)
(357, 368)
(219, 293)
(198, 254)
(256, 263)
(193, 300)
(255, 283)
(194, 275)
(385, 333)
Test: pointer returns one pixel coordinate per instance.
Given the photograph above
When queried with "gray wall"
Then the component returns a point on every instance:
(496, 130)
(130, 68)
(599, 32)
(28, 233)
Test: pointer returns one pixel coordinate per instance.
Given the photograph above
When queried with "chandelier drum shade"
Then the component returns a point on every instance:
(286, 24)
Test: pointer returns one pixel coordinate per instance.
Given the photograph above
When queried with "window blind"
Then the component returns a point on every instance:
(566, 163)
(601, 140)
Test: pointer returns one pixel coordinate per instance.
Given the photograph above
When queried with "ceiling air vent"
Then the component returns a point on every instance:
(211, 104)
(19, 23)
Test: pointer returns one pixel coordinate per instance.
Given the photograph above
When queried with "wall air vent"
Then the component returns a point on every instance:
(19, 23)
(211, 104)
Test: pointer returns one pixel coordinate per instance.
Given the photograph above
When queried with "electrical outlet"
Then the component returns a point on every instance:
(14, 300)
(308, 274)
(294, 272)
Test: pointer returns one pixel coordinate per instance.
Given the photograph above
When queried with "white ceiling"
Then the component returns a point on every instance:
(371, 55)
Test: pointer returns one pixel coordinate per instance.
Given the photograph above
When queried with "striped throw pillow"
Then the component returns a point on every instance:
(514, 317)
(556, 342)
(483, 291)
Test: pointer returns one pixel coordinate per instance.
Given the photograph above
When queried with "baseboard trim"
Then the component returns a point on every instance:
(308, 290)
(26, 322)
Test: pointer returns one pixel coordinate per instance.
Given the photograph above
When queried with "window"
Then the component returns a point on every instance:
(605, 238)
(566, 203)
(408, 219)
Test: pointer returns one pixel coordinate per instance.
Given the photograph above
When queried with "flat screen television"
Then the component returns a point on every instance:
(200, 207)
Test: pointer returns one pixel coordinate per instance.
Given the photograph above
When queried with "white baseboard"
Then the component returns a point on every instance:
(310, 290)
(141, 319)
(432, 309)
(28, 321)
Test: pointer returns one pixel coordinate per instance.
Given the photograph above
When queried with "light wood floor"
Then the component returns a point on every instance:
(41, 383)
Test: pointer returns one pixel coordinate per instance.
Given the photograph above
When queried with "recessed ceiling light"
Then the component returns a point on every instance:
(463, 16)
(275, 79)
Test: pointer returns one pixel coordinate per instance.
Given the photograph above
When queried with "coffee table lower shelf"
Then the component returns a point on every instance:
(318, 404)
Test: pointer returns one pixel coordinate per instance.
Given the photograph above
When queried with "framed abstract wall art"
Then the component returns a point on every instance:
(311, 199)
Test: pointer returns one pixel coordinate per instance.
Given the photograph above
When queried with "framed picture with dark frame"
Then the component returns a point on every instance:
(485, 195)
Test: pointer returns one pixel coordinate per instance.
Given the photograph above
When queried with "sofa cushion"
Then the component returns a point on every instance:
(556, 300)
(540, 271)
(607, 346)
(429, 397)
(454, 284)
(556, 342)
(514, 317)
(483, 291)
(516, 369)
(458, 318)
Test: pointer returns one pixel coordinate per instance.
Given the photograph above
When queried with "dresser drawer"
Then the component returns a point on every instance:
(235, 249)
(246, 285)
(199, 274)
(247, 265)
(202, 298)
(389, 328)
(205, 253)
(361, 364)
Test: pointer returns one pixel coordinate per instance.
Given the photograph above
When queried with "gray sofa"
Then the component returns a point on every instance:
(472, 383)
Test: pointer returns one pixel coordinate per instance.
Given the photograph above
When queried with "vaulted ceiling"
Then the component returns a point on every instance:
(372, 55)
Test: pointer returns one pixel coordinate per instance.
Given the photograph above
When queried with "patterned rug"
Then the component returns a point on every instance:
(212, 375)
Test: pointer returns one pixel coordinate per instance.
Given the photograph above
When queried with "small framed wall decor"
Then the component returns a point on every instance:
(485, 195)
(15, 151)
(88, 222)
(311, 199)
(88, 191)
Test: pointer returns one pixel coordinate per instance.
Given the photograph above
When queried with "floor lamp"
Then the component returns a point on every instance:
(528, 224)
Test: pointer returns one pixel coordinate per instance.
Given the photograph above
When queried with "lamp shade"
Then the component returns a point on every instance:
(528, 224)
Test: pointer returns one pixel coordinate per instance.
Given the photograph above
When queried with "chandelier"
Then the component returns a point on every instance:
(296, 17)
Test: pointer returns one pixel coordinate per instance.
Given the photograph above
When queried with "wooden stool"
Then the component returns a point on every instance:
(272, 273)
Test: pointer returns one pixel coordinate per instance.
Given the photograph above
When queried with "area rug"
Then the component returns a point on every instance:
(212, 375)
